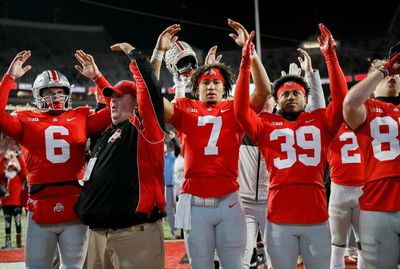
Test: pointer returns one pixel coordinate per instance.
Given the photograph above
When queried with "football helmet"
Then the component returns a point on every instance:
(51, 79)
(180, 59)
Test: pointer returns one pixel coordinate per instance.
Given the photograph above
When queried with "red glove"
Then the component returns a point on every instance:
(247, 53)
(392, 66)
(326, 42)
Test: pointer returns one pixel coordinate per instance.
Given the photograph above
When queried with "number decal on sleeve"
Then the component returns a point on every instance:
(57, 150)
(211, 148)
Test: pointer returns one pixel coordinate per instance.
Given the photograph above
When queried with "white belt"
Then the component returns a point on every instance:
(205, 202)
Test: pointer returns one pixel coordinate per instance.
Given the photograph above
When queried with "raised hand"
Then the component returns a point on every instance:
(248, 53)
(392, 66)
(167, 38)
(88, 67)
(210, 58)
(293, 70)
(305, 63)
(16, 69)
(125, 47)
(241, 33)
(326, 42)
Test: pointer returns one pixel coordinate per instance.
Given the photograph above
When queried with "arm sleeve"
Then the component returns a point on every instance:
(101, 119)
(149, 98)
(316, 98)
(24, 172)
(101, 83)
(9, 125)
(177, 119)
(99, 106)
(338, 88)
(247, 118)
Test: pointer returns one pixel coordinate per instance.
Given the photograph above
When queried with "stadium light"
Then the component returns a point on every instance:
(315, 45)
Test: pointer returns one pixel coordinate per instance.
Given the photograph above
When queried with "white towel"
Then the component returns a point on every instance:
(183, 215)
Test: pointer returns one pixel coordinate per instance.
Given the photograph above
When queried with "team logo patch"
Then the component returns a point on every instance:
(115, 136)
(211, 72)
(190, 109)
(377, 110)
(59, 207)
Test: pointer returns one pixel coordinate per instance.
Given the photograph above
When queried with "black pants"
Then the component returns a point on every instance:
(10, 211)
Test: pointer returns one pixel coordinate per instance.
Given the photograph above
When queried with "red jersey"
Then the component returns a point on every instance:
(294, 151)
(53, 144)
(380, 146)
(211, 137)
(295, 155)
(14, 186)
(345, 160)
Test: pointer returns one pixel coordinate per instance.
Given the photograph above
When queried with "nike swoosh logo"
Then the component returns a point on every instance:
(224, 110)
(308, 121)
(232, 205)
(71, 119)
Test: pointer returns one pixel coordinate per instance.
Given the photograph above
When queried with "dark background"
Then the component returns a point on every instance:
(283, 23)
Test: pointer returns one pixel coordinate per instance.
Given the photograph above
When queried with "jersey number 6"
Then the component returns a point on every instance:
(57, 150)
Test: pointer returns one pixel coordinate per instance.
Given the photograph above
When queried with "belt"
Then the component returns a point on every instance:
(205, 202)
(135, 228)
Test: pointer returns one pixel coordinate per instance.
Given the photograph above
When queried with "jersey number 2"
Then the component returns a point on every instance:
(345, 150)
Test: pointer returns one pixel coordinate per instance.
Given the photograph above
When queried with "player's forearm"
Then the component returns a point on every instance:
(9, 125)
(5, 87)
(98, 122)
(316, 97)
(156, 67)
(156, 61)
(149, 99)
(101, 82)
(241, 103)
(363, 90)
(338, 87)
(168, 110)
(354, 112)
(262, 84)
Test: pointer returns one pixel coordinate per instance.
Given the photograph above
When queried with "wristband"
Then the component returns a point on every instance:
(97, 77)
(384, 71)
(157, 55)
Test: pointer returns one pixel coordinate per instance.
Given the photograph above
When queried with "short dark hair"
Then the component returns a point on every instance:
(282, 80)
(226, 72)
